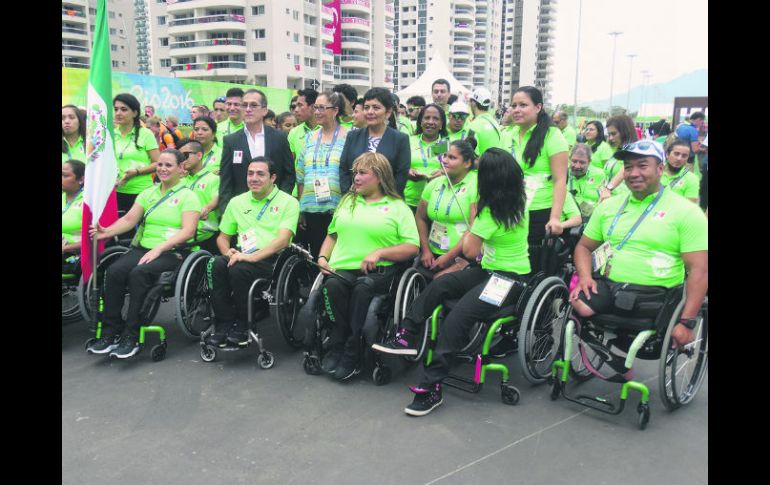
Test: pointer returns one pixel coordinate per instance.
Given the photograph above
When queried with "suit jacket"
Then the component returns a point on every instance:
(394, 146)
(232, 176)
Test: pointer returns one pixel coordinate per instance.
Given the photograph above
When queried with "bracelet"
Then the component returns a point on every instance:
(322, 256)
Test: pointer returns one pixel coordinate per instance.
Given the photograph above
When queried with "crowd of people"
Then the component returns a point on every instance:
(368, 184)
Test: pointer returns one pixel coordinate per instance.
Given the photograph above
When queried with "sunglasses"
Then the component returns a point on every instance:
(458, 116)
(220, 99)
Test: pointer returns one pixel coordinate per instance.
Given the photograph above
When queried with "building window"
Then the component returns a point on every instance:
(296, 38)
(113, 48)
(259, 34)
(164, 41)
(260, 57)
(258, 10)
(165, 63)
(295, 15)
(115, 64)
(161, 20)
(112, 15)
(113, 32)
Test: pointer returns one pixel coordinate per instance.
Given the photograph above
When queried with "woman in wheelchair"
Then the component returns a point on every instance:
(499, 233)
(168, 216)
(442, 225)
(72, 177)
(372, 228)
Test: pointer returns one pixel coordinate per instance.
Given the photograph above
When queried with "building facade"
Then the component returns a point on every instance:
(77, 32)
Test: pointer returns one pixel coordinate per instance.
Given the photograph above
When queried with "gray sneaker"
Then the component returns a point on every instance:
(104, 345)
(129, 347)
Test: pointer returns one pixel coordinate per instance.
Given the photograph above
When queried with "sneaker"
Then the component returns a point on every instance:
(104, 345)
(331, 360)
(347, 368)
(129, 347)
(219, 337)
(425, 401)
(238, 336)
(398, 345)
(506, 346)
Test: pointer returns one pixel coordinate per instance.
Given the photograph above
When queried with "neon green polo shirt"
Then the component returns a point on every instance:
(71, 218)
(405, 125)
(442, 206)
(652, 256)
(297, 138)
(487, 132)
(600, 154)
(131, 156)
(243, 214)
(570, 208)
(611, 169)
(205, 185)
(212, 159)
(74, 152)
(385, 223)
(504, 249)
(458, 135)
(347, 124)
(166, 219)
(687, 186)
(587, 187)
(227, 127)
(425, 162)
(570, 135)
(537, 177)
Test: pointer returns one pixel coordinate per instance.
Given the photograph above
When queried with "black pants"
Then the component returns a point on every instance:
(125, 201)
(704, 189)
(230, 288)
(139, 278)
(537, 221)
(210, 245)
(315, 233)
(467, 285)
(347, 305)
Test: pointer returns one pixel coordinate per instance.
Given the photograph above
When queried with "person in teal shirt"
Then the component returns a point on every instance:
(425, 165)
(499, 236)
(73, 133)
(168, 216)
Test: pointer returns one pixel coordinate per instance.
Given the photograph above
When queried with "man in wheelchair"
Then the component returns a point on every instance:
(585, 180)
(265, 220)
(637, 246)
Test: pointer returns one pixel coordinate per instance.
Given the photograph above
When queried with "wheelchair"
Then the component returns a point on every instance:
(183, 284)
(285, 289)
(385, 312)
(590, 346)
(70, 279)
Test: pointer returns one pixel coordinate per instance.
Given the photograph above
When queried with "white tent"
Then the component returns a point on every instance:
(436, 69)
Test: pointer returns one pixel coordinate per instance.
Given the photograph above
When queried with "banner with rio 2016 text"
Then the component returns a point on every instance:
(169, 96)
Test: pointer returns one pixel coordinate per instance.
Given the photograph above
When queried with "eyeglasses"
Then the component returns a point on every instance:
(320, 107)
(185, 155)
(413, 108)
(251, 105)
(459, 116)
(220, 99)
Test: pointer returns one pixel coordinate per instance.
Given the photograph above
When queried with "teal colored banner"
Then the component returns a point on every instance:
(169, 95)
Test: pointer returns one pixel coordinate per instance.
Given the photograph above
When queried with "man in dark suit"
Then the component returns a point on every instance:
(255, 140)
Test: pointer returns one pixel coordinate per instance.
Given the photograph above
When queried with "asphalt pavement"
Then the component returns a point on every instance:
(185, 421)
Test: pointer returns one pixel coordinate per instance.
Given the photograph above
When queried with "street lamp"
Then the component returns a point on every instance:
(577, 66)
(612, 73)
(628, 98)
(645, 76)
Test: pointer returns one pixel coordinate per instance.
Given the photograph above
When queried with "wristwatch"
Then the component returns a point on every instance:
(610, 187)
(689, 322)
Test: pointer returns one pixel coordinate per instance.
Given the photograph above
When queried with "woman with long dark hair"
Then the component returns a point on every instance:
(541, 150)
(499, 235)
(73, 133)
(600, 149)
(205, 131)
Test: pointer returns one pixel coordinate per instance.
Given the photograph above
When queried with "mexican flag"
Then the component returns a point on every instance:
(100, 201)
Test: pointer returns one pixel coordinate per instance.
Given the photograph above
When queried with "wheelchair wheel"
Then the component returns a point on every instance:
(541, 327)
(70, 309)
(682, 370)
(577, 368)
(294, 283)
(411, 284)
(86, 292)
(191, 295)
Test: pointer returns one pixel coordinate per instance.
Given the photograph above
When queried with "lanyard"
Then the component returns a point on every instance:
(462, 135)
(422, 152)
(449, 205)
(676, 180)
(120, 157)
(68, 204)
(331, 148)
(264, 208)
(149, 211)
(638, 221)
(211, 154)
(203, 174)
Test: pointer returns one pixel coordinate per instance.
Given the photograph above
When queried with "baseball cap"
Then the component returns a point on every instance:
(643, 148)
(482, 96)
(458, 107)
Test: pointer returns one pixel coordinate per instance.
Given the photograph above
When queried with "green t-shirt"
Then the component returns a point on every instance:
(130, 156)
(538, 177)
(570, 135)
(212, 159)
(405, 125)
(227, 127)
(425, 162)
(487, 132)
(347, 124)
(504, 249)
(458, 135)
(611, 169)
(385, 223)
(686, 185)
(652, 256)
(297, 138)
(586, 189)
(443, 208)
(165, 220)
(601, 154)
(71, 218)
(248, 216)
(74, 152)
(205, 185)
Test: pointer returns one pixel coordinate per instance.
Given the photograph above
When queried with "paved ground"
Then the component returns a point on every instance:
(184, 421)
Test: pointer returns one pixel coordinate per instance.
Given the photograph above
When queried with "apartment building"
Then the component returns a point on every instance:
(272, 43)
(78, 19)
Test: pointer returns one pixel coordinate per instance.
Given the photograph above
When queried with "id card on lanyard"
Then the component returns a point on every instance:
(248, 240)
(321, 187)
(496, 290)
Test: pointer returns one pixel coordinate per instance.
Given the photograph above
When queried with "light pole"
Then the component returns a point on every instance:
(612, 73)
(645, 76)
(628, 98)
(577, 66)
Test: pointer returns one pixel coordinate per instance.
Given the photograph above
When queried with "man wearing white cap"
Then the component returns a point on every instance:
(457, 122)
(484, 126)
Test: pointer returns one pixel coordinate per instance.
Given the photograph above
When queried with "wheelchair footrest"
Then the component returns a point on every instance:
(597, 403)
(462, 383)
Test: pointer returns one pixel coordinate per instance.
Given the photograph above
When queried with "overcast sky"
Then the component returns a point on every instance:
(670, 38)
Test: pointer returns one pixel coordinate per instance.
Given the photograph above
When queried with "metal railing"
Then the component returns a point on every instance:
(207, 66)
(207, 43)
(354, 58)
(74, 31)
(207, 19)
(360, 77)
(72, 13)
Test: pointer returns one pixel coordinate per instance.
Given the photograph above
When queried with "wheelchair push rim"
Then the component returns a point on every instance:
(192, 295)
(86, 294)
(294, 285)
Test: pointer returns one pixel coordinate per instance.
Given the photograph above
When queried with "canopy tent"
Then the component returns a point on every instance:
(436, 69)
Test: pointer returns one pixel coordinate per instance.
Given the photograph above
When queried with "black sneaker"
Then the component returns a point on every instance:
(398, 345)
(238, 336)
(347, 368)
(331, 360)
(219, 337)
(507, 346)
(425, 400)
(129, 347)
(104, 345)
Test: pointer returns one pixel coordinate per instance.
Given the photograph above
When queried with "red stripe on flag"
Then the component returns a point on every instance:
(109, 216)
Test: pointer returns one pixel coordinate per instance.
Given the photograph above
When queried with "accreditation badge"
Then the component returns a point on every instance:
(438, 236)
(496, 290)
(601, 257)
(237, 156)
(248, 241)
(321, 189)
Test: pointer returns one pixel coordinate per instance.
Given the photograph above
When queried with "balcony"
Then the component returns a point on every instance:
(210, 69)
(349, 61)
(79, 65)
(463, 41)
(354, 77)
(187, 5)
(207, 46)
(72, 49)
(207, 23)
(355, 6)
(463, 14)
(73, 33)
(465, 3)
(72, 14)
(390, 12)
(464, 27)
(389, 46)
(356, 23)
(354, 42)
